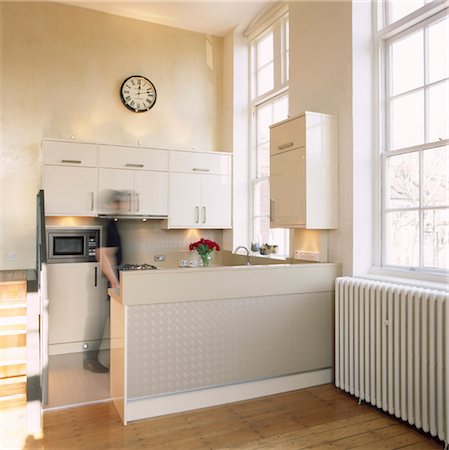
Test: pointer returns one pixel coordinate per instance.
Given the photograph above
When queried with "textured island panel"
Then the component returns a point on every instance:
(177, 347)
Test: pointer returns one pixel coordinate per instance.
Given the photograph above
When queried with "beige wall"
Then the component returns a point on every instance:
(61, 69)
(321, 80)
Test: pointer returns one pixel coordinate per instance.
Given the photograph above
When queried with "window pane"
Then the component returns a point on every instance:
(407, 121)
(402, 238)
(439, 51)
(403, 181)
(436, 239)
(438, 112)
(285, 74)
(400, 8)
(265, 79)
(436, 176)
(263, 122)
(264, 50)
(262, 198)
(407, 63)
(263, 160)
(280, 109)
(263, 234)
(262, 230)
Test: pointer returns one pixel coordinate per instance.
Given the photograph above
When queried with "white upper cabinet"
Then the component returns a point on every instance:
(191, 189)
(141, 173)
(199, 190)
(136, 158)
(70, 178)
(79, 154)
(196, 162)
(304, 172)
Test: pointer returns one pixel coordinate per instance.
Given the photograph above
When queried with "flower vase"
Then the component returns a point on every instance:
(205, 259)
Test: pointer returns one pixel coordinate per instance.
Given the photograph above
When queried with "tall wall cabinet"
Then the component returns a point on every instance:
(304, 172)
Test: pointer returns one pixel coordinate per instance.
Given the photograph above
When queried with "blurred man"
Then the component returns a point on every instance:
(109, 258)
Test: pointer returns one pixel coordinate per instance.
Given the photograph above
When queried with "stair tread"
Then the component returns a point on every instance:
(11, 330)
(19, 379)
(13, 353)
(18, 395)
(13, 362)
(13, 320)
(13, 303)
(13, 389)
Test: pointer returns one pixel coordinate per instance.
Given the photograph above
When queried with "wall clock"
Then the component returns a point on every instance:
(138, 93)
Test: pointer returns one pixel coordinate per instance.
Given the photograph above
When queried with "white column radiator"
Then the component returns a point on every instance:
(392, 350)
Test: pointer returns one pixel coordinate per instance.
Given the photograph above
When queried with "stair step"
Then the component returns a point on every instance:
(17, 388)
(12, 303)
(6, 398)
(10, 290)
(13, 362)
(13, 340)
(13, 380)
(13, 320)
(12, 312)
(12, 330)
(16, 401)
(13, 370)
(12, 354)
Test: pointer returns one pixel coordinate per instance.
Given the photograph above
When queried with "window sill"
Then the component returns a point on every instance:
(424, 280)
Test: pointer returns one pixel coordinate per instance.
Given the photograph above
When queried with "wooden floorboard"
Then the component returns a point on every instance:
(317, 418)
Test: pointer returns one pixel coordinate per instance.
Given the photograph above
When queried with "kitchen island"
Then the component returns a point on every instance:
(187, 338)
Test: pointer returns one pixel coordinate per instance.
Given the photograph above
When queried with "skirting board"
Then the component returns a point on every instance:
(143, 408)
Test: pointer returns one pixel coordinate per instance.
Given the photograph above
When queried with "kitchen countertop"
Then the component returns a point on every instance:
(180, 284)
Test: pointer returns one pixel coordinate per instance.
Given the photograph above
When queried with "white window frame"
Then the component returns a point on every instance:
(417, 19)
(280, 88)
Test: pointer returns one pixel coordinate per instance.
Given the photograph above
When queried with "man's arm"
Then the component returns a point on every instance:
(106, 258)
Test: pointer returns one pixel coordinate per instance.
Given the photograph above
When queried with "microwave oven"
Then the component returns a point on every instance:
(69, 245)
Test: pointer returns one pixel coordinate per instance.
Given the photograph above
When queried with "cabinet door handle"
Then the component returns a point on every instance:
(134, 165)
(204, 214)
(96, 277)
(197, 214)
(91, 201)
(199, 169)
(130, 199)
(137, 202)
(71, 161)
(288, 144)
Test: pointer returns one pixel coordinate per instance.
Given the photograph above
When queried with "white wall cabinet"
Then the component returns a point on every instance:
(146, 190)
(191, 189)
(70, 178)
(199, 190)
(141, 173)
(304, 172)
(77, 294)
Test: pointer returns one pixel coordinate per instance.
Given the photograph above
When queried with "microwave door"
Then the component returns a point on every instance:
(69, 246)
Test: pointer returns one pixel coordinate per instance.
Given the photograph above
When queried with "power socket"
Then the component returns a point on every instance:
(307, 256)
(159, 258)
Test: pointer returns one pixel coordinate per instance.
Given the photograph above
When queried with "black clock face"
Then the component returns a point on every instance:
(138, 93)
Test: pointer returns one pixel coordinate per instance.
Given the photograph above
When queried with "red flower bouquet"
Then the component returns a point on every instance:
(204, 247)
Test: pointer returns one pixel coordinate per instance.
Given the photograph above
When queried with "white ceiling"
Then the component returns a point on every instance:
(210, 17)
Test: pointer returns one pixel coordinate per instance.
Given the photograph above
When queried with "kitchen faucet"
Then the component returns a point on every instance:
(247, 253)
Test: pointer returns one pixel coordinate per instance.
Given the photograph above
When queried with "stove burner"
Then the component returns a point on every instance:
(137, 267)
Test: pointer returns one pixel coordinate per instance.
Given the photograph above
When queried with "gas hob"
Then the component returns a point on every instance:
(137, 267)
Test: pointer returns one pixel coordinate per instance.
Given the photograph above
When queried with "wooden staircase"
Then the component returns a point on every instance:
(13, 292)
